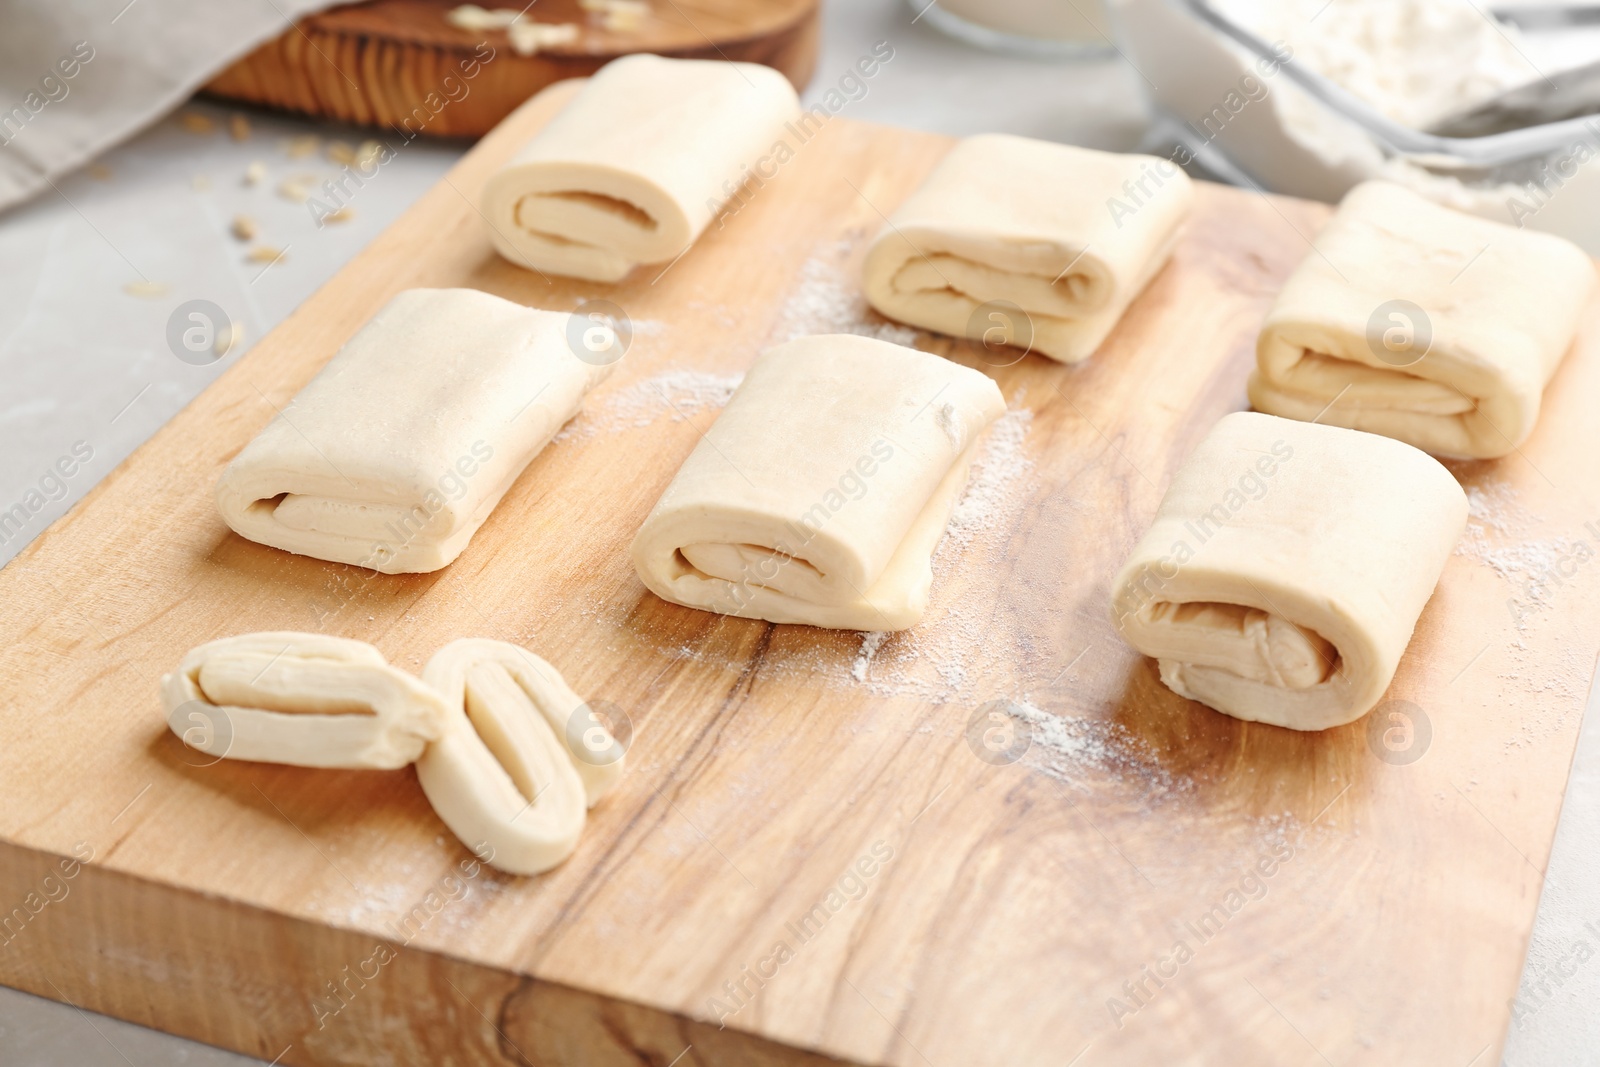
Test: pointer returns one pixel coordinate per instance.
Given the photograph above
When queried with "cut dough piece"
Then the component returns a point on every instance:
(299, 698)
(1500, 307)
(1068, 235)
(820, 493)
(521, 759)
(394, 455)
(1286, 568)
(635, 167)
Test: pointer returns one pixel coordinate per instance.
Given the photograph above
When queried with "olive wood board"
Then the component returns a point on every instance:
(400, 64)
(827, 855)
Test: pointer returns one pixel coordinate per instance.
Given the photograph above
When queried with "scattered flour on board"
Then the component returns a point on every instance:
(1496, 522)
(1495, 537)
(1069, 749)
(1537, 573)
(829, 300)
(676, 393)
(870, 643)
(993, 491)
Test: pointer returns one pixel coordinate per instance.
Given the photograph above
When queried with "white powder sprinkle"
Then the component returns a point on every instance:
(1538, 573)
(993, 489)
(1495, 537)
(870, 643)
(1493, 516)
(1069, 749)
(828, 300)
(677, 394)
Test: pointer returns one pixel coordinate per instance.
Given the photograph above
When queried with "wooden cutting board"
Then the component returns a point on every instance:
(1335, 907)
(393, 62)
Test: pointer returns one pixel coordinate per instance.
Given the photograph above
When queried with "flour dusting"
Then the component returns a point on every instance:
(1538, 572)
(1069, 749)
(870, 643)
(829, 300)
(995, 485)
(1496, 537)
(677, 394)
(1494, 518)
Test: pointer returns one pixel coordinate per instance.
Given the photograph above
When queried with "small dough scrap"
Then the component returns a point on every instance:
(1068, 235)
(1500, 308)
(518, 765)
(820, 493)
(1286, 568)
(300, 698)
(636, 166)
(395, 454)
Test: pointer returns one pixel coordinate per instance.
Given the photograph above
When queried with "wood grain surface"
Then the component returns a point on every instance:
(1335, 903)
(393, 62)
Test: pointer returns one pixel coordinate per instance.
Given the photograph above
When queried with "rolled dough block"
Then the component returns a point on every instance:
(1286, 567)
(820, 493)
(300, 698)
(635, 167)
(1345, 344)
(521, 758)
(398, 450)
(1068, 235)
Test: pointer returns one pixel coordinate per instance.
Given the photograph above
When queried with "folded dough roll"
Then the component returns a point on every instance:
(1500, 307)
(1286, 567)
(398, 450)
(820, 493)
(510, 771)
(635, 167)
(1069, 235)
(302, 699)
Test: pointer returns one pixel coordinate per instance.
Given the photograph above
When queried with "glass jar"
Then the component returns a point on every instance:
(1244, 110)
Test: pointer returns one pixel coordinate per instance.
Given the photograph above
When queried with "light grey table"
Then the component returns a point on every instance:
(82, 362)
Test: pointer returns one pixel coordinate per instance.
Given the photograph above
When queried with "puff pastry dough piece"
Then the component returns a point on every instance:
(1503, 305)
(820, 493)
(300, 698)
(1069, 235)
(635, 167)
(1286, 568)
(398, 450)
(516, 768)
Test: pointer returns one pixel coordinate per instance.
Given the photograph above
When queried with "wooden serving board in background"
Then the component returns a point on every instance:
(1337, 907)
(375, 63)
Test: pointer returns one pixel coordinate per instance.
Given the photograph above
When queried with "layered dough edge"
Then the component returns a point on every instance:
(1286, 568)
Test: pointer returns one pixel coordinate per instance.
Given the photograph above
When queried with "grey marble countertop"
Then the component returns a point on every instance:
(85, 364)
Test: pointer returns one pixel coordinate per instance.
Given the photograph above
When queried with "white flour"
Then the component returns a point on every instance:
(991, 495)
(828, 300)
(870, 643)
(1496, 525)
(676, 393)
(1532, 572)
(1070, 749)
(1413, 61)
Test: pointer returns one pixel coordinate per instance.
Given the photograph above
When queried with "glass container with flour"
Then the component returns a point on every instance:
(1309, 98)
